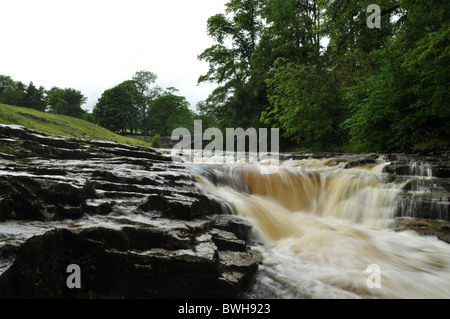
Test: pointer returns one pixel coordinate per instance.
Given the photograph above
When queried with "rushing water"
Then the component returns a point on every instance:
(326, 232)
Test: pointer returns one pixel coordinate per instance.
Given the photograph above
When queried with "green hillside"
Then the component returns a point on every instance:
(60, 125)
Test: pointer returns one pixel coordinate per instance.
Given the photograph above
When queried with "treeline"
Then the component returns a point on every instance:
(316, 70)
(136, 106)
(67, 101)
(141, 107)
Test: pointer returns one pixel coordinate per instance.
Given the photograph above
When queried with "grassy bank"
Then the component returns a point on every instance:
(61, 125)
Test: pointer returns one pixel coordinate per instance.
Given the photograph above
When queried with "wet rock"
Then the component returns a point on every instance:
(125, 263)
(65, 194)
(442, 170)
(368, 159)
(234, 224)
(19, 200)
(423, 205)
(225, 240)
(425, 183)
(157, 240)
(178, 206)
(154, 237)
(425, 227)
(101, 209)
(236, 261)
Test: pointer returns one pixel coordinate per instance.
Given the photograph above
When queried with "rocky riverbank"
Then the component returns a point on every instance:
(137, 225)
(132, 221)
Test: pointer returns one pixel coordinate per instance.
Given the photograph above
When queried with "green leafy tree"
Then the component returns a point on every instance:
(6, 82)
(145, 95)
(304, 105)
(89, 117)
(66, 101)
(34, 97)
(404, 100)
(168, 112)
(115, 109)
(238, 98)
(12, 92)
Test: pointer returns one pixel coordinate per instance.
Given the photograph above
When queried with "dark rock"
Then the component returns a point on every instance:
(234, 224)
(442, 171)
(8, 250)
(153, 237)
(423, 205)
(425, 227)
(101, 209)
(109, 238)
(227, 241)
(178, 206)
(19, 200)
(63, 193)
(112, 268)
(68, 212)
(169, 250)
(360, 162)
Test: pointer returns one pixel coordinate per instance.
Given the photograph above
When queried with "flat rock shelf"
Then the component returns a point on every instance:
(130, 218)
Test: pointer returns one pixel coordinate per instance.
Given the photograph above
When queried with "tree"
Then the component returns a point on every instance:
(34, 97)
(11, 92)
(115, 110)
(89, 117)
(6, 82)
(293, 29)
(304, 104)
(168, 112)
(145, 95)
(304, 96)
(403, 101)
(66, 101)
(238, 98)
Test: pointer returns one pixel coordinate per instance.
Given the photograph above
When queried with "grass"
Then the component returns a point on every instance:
(61, 125)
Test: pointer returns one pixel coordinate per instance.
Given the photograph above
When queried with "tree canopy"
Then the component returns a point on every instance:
(115, 109)
(139, 105)
(317, 70)
(66, 101)
(168, 112)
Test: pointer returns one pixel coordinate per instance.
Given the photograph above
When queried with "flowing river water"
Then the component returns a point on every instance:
(327, 232)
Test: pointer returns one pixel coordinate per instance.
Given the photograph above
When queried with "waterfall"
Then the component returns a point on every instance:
(321, 229)
(422, 196)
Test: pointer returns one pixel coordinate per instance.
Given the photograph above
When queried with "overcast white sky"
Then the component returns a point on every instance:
(93, 45)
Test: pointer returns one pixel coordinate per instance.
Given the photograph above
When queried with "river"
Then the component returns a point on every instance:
(327, 232)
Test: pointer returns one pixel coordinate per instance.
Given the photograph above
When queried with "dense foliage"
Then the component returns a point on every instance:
(115, 109)
(319, 71)
(66, 101)
(139, 106)
(134, 106)
(168, 112)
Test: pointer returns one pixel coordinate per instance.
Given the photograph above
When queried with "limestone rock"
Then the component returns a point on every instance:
(134, 223)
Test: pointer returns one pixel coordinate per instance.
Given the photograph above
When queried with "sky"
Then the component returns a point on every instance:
(93, 45)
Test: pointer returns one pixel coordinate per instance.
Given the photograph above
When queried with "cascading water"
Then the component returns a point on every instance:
(322, 228)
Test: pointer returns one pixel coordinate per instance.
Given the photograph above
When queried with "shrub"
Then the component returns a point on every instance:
(156, 141)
